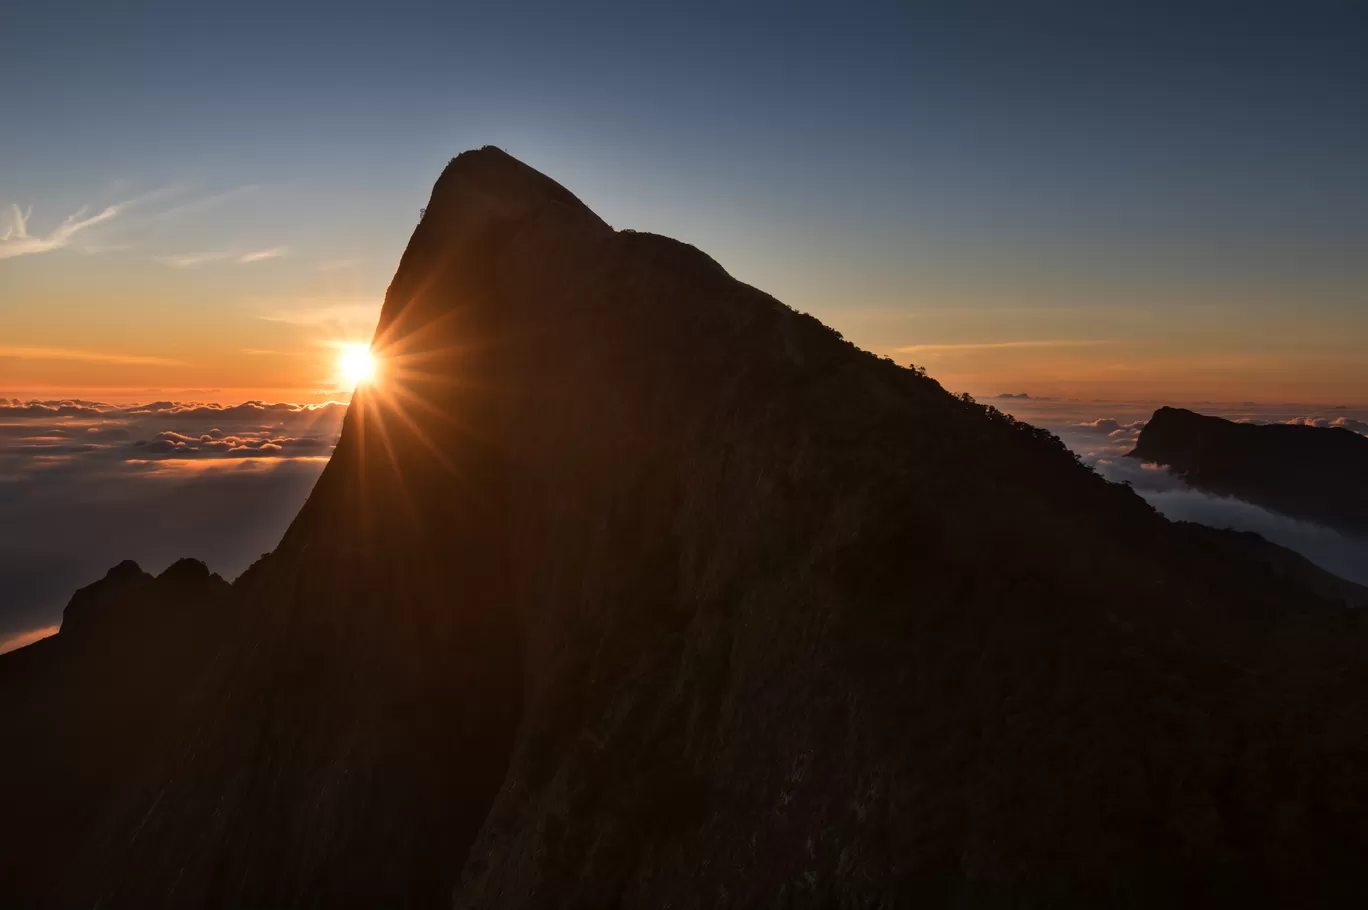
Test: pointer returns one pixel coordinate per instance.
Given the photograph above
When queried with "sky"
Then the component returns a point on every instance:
(1093, 208)
(1111, 201)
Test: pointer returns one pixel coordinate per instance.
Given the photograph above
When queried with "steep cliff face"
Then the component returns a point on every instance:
(1315, 473)
(629, 586)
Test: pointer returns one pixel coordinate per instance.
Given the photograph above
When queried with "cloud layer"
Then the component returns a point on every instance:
(1341, 554)
(17, 241)
(85, 484)
(191, 260)
(19, 238)
(1103, 442)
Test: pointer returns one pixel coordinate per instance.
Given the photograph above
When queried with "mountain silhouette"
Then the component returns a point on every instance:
(85, 709)
(1315, 473)
(629, 586)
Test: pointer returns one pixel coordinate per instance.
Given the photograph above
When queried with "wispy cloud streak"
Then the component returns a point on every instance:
(274, 252)
(208, 202)
(27, 353)
(17, 241)
(985, 345)
(357, 313)
(191, 260)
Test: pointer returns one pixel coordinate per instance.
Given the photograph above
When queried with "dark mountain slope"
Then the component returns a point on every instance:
(1249, 547)
(629, 586)
(1315, 473)
(84, 709)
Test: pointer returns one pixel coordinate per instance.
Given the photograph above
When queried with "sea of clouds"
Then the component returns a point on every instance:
(1103, 433)
(86, 484)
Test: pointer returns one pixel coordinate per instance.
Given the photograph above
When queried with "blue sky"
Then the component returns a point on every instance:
(1112, 199)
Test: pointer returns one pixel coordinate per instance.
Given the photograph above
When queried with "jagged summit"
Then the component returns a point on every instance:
(126, 569)
(88, 709)
(91, 604)
(628, 585)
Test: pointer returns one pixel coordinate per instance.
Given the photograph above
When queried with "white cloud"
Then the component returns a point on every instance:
(18, 229)
(1338, 553)
(1111, 426)
(274, 252)
(77, 502)
(17, 241)
(191, 260)
(1348, 423)
(199, 205)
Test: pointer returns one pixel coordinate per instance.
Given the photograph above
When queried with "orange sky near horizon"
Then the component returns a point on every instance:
(256, 359)
(1108, 201)
(279, 352)
(121, 321)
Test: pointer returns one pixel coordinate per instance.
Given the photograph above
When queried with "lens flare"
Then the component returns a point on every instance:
(356, 364)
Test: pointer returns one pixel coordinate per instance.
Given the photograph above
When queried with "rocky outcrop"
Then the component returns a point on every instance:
(1314, 473)
(627, 585)
(87, 709)
(96, 605)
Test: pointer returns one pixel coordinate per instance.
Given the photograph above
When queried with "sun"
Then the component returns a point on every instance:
(356, 364)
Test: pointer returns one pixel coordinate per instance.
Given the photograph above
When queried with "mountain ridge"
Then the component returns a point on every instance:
(627, 585)
(1313, 473)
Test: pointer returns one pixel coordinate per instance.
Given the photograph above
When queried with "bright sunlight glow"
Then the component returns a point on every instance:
(356, 364)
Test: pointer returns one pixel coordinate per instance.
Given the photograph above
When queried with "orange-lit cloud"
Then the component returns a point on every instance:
(986, 345)
(347, 313)
(20, 639)
(27, 353)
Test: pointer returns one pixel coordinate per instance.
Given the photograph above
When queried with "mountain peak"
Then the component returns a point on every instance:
(482, 197)
(125, 569)
(628, 585)
(96, 605)
(490, 179)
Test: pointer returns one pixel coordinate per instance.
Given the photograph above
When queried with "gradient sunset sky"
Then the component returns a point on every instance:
(1097, 200)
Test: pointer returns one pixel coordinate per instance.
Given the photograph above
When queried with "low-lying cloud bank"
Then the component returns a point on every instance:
(281, 412)
(1342, 554)
(1103, 442)
(167, 430)
(85, 484)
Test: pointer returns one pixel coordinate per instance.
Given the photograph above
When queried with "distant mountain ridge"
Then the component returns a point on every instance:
(629, 586)
(1314, 473)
